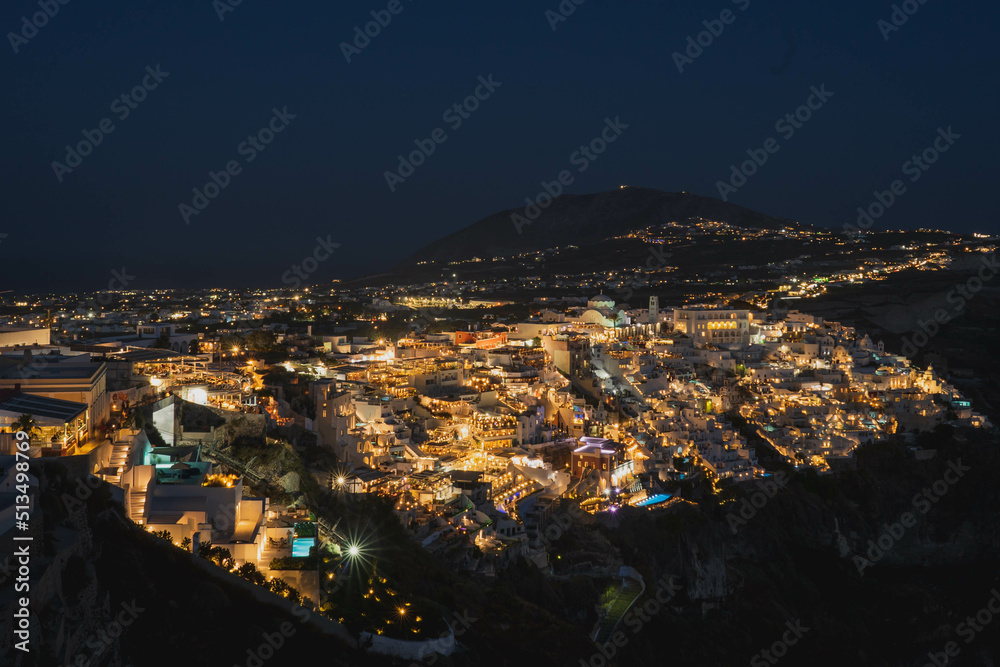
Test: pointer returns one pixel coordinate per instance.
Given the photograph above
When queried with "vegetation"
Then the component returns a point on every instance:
(178, 605)
(218, 555)
(280, 587)
(262, 341)
(27, 424)
(250, 572)
(310, 562)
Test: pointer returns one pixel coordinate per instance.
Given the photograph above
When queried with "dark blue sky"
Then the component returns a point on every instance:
(324, 174)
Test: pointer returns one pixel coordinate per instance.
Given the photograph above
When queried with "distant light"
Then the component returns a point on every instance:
(353, 550)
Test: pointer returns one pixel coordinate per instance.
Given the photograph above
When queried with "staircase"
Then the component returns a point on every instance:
(119, 459)
(137, 506)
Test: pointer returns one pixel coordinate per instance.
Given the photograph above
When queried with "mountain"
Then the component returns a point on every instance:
(586, 219)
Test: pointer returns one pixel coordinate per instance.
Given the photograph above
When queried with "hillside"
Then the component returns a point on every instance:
(586, 219)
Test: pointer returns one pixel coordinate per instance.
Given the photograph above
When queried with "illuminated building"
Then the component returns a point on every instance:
(713, 326)
(598, 454)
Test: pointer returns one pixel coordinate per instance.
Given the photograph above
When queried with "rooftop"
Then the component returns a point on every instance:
(42, 408)
(52, 372)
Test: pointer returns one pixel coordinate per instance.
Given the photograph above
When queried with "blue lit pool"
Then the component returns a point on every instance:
(301, 545)
(653, 500)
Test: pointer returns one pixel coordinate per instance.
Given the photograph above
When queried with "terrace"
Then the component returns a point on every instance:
(181, 473)
(61, 425)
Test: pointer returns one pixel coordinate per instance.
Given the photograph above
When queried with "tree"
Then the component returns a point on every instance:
(262, 341)
(280, 587)
(221, 557)
(194, 347)
(26, 423)
(250, 572)
(164, 535)
(186, 544)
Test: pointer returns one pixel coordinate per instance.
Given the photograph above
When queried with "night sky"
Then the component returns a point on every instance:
(324, 173)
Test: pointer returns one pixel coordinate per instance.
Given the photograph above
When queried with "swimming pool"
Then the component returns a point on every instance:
(301, 546)
(654, 500)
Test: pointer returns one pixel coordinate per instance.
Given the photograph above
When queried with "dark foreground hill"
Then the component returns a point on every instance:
(585, 219)
(105, 592)
(794, 560)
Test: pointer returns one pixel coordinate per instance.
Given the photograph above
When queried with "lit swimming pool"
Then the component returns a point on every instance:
(654, 500)
(301, 546)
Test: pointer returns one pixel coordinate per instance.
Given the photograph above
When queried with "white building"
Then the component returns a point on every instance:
(714, 326)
